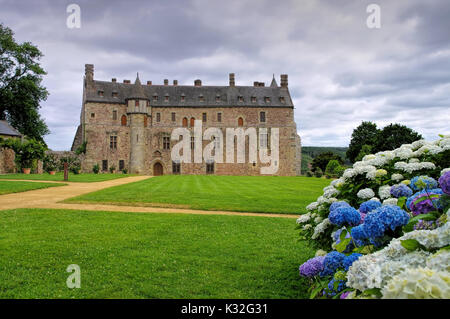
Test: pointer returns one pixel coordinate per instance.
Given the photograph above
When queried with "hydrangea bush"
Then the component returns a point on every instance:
(381, 229)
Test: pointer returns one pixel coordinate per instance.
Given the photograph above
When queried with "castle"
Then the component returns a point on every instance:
(128, 126)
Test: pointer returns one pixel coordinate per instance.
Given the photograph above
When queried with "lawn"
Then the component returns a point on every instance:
(266, 194)
(84, 178)
(138, 255)
(7, 187)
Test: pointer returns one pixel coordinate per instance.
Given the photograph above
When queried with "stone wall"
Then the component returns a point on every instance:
(7, 164)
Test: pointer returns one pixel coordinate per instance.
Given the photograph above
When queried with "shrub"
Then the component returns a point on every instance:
(27, 153)
(96, 169)
(332, 168)
(112, 169)
(50, 163)
(125, 171)
(309, 174)
(318, 172)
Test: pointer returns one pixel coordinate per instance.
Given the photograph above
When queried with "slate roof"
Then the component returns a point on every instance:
(6, 129)
(228, 95)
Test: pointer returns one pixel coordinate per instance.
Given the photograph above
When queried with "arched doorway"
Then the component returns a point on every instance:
(158, 169)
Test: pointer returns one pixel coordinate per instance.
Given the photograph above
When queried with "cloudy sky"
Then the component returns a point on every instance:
(340, 71)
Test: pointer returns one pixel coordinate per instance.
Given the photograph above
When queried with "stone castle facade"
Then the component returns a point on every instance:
(128, 126)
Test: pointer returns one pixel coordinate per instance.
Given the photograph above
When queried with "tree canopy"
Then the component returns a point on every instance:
(21, 90)
(321, 160)
(367, 138)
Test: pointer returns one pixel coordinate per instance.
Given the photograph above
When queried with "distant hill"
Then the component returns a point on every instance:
(309, 152)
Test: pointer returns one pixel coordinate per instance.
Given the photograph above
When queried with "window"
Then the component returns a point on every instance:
(166, 142)
(263, 140)
(219, 117)
(145, 121)
(114, 115)
(148, 103)
(282, 100)
(100, 93)
(183, 98)
(136, 103)
(121, 165)
(155, 97)
(262, 117)
(158, 117)
(166, 98)
(267, 99)
(92, 115)
(173, 117)
(185, 122)
(176, 167)
(201, 98)
(192, 142)
(204, 117)
(240, 98)
(192, 122)
(115, 94)
(253, 99)
(217, 98)
(240, 121)
(105, 165)
(210, 168)
(123, 120)
(113, 142)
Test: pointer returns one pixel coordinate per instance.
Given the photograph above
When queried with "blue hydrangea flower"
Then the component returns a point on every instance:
(348, 260)
(331, 263)
(369, 206)
(358, 233)
(312, 267)
(335, 205)
(331, 291)
(423, 182)
(401, 190)
(342, 215)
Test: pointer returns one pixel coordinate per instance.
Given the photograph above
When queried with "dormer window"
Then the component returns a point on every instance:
(267, 99)
(155, 97)
(217, 98)
(282, 99)
(253, 99)
(240, 98)
(100, 93)
(183, 97)
(166, 98)
(115, 94)
(201, 98)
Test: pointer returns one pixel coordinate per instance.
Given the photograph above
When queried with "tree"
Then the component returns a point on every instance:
(393, 136)
(365, 150)
(333, 168)
(321, 160)
(20, 85)
(365, 134)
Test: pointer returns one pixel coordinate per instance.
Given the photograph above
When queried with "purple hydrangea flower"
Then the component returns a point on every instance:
(444, 182)
(312, 267)
(401, 190)
(345, 294)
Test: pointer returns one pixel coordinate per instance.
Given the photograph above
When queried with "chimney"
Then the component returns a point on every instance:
(175, 82)
(256, 83)
(149, 82)
(113, 80)
(126, 81)
(89, 72)
(232, 79)
(284, 80)
(198, 83)
(262, 84)
(166, 82)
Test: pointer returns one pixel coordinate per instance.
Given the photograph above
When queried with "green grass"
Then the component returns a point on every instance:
(266, 194)
(84, 178)
(7, 187)
(135, 255)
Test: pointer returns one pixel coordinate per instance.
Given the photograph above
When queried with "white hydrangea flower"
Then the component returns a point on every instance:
(318, 219)
(406, 182)
(390, 201)
(307, 226)
(397, 177)
(445, 170)
(368, 157)
(418, 144)
(330, 191)
(320, 228)
(365, 193)
(321, 252)
(349, 173)
(439, 261)
(419, 283)
(384, 191)
(375, 198)
(312, 206)
(304, 218)
(414, 160)
(412, 167)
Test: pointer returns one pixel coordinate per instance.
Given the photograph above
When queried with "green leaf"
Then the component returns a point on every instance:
(315, 292)
(343, 244)
(343, 234)
(401, 202)
(373, 291)
(410, 244)
(410, 226)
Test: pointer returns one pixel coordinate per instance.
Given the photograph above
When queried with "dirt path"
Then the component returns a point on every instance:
(51, 197)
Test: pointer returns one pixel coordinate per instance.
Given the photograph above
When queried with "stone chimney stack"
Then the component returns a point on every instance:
(284, 80)
(149, 82)
(175, 82)
(232, 83)
(198, 83)
(166, 82)
(126, 81)
(256, 84)
(89, 72)
(113, 80)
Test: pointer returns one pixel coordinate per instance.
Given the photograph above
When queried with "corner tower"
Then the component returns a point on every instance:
(138, 108)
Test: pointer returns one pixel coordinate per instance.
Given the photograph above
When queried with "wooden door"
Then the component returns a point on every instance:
(157, 169)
